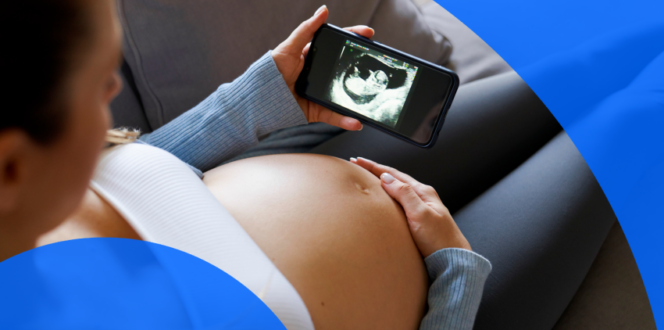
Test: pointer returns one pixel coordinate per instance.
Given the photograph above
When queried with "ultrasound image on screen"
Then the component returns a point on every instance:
(371, 83)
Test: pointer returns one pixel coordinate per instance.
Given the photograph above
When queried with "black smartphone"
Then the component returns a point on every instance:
(382, 87)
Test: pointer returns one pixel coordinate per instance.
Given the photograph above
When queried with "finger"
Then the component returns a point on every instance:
(305, 31)
(305, 51)
(371, 166)
(427, 193)
(404, 194)
(324, 115)
(362, 30)
(378, 169)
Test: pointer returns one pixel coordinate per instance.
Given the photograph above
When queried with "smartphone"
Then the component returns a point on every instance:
(382, 87)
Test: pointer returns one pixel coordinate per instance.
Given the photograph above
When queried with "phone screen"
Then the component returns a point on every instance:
(394, 92)
(371, 83)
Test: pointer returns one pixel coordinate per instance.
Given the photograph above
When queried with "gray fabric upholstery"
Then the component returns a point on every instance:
(180, 51)
(126, 108)
(472, 58)
(612, 295)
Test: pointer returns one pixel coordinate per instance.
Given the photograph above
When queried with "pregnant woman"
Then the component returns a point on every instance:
(332, 250)
(326, 243)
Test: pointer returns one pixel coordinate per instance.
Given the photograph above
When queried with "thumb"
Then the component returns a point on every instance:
(305, 31)
(404, 194)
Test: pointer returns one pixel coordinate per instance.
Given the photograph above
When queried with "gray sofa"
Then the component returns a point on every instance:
(177, 52)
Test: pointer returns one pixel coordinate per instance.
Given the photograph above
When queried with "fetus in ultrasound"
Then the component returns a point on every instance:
(371, 85)
(363, 90)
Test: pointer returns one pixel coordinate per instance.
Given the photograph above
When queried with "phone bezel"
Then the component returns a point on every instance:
(368, 121)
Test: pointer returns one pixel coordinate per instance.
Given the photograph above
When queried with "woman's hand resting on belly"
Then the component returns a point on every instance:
(430, 222)
(335, 234)
(334, 230)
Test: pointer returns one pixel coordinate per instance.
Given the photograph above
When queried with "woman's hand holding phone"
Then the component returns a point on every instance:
(429, 221)
(289, 57)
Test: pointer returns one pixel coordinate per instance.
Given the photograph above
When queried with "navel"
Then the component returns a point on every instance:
(361, 188)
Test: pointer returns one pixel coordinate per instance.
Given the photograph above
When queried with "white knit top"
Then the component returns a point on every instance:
(166, 203)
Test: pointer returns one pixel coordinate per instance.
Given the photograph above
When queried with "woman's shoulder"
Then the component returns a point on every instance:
(135, 163)
(137, 149)
(143, 183)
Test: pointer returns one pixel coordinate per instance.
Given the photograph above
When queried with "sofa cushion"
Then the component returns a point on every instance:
(472, 58)
(613, 295)
(127, 108)
(180, 51)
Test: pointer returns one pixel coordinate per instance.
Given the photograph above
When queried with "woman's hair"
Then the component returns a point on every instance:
(44, 41)
(121, 136)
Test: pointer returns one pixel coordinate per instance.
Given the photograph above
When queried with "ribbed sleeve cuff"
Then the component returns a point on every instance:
(458, 278)
(232, 118)
(264, 87)
(457, 260)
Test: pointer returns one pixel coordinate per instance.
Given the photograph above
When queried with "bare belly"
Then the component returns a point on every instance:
(334, 233)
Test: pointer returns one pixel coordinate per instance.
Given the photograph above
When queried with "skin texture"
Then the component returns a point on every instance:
(95, 217)
(429, 221)
(335, 234)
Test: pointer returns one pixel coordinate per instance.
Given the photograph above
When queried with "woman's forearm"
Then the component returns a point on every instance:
(232, 118)
(457, 277)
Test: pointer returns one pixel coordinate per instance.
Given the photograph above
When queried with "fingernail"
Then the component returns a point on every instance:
(364, 159)
(361, 127)
(387, 178)
(372, 30)
(320, 10)
(353, 159)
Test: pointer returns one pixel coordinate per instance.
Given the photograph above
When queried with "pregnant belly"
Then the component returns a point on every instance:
(334, 233)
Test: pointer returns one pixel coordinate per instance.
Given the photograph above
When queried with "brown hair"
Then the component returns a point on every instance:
(43, 40)
(121, 136)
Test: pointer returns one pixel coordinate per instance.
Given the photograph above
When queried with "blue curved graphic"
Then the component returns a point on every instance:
(112, 283)
(599, 68)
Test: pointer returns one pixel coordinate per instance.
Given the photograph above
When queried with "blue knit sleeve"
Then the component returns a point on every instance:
(457, 277)
(231, 119)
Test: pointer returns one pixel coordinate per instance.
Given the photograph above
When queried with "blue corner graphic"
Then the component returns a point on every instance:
(112, 283)
(599, 68)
